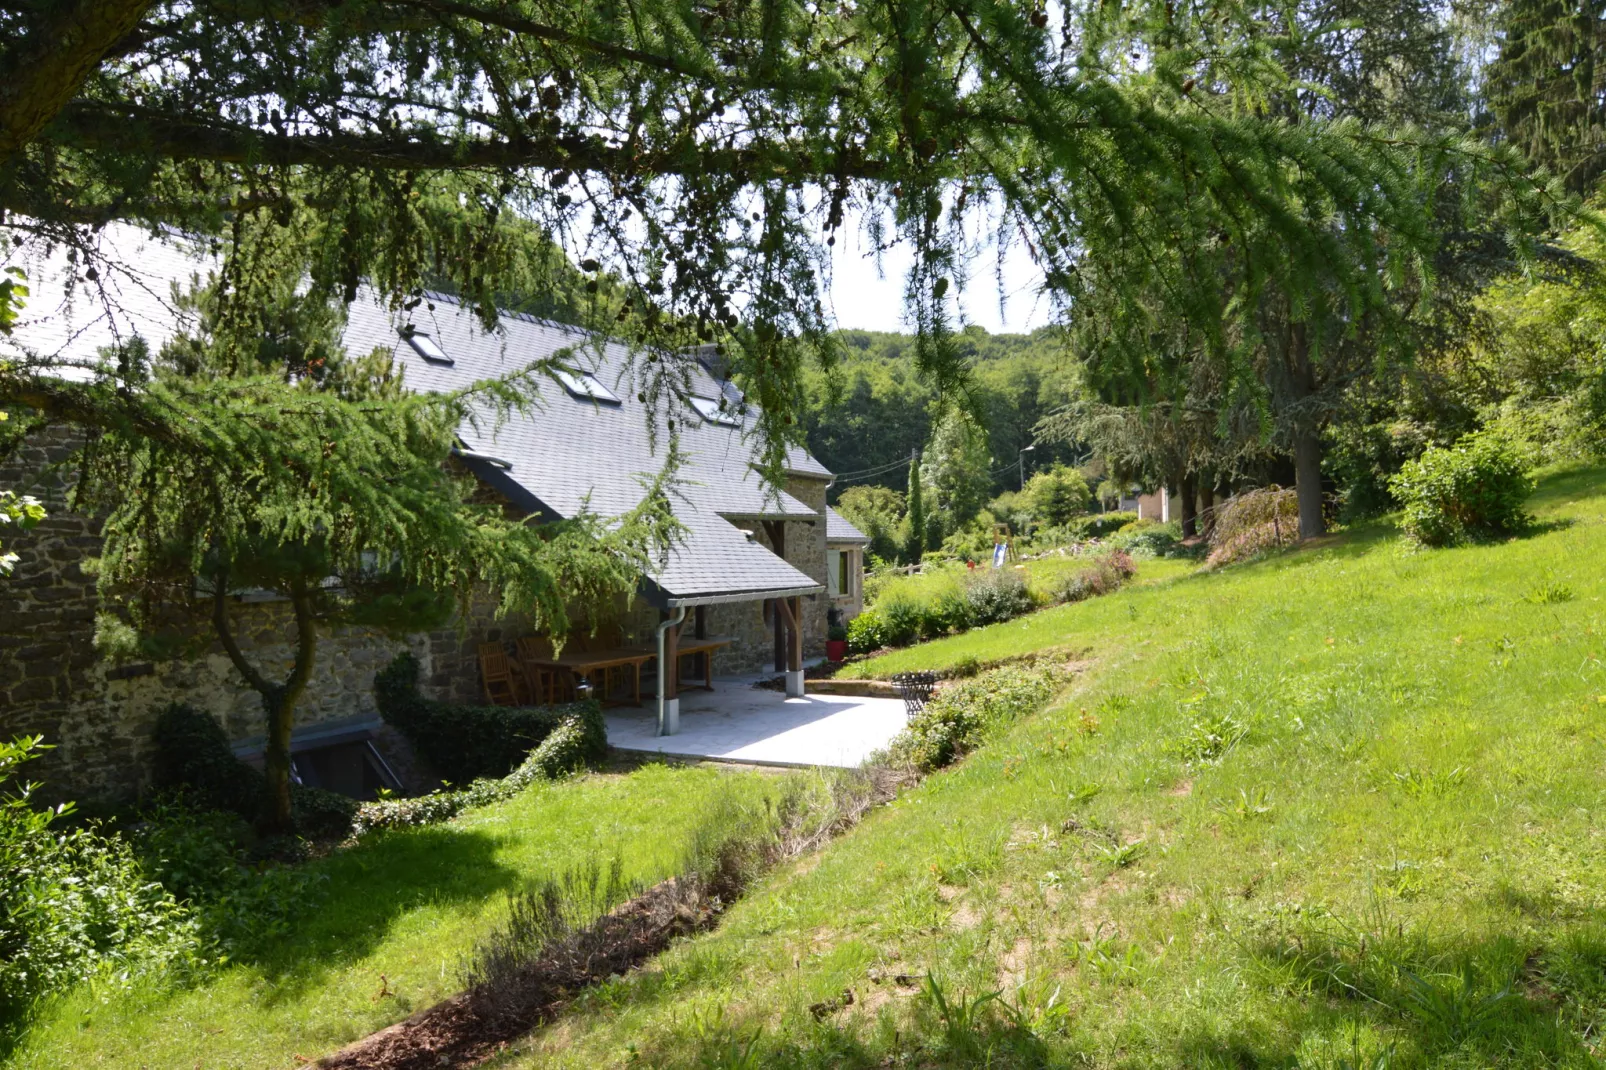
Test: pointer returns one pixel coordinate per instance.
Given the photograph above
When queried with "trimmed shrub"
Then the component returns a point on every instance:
(570, 746)
(468, 742)
(1473, 490)
(962, 714)
(1099, 524)
(866, 633)
(997, 594)
(194, 755)
(321, 814)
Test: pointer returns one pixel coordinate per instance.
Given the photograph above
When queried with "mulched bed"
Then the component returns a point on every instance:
(470, 1028)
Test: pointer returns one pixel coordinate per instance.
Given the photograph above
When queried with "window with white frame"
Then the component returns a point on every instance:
(586, 387)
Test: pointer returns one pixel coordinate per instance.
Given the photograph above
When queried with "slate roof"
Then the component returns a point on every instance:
(566, 454)
(837, 528)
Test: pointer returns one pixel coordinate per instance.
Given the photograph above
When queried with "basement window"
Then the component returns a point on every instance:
(586, 387)
(427, 347)
(716, 412)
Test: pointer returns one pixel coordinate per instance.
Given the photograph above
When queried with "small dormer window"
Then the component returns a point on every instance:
(427, 347)
(586, 387)
(716, 411)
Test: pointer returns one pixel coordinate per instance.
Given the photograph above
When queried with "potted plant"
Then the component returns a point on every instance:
(836, 643)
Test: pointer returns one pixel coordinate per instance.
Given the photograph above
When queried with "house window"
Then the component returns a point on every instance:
(427, 347)
(834, 572)
(586, 387)
(716, 412)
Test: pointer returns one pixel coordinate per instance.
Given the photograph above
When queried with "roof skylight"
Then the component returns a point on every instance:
(427, 347)
(586, 387)
(716, 412)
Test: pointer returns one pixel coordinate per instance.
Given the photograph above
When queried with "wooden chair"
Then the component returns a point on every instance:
(545, 683)
(503, 687)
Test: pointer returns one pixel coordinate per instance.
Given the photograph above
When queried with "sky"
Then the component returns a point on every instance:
(868, 300)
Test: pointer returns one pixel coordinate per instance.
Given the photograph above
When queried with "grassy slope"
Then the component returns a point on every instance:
(1411, 827)
(406, 906)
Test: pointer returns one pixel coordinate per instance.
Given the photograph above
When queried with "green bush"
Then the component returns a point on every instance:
(74, 902)
(1106, 573)
(962, 714)
(1148, 538)
(949, 611)
(997, 594)
(198, 855)
(903, 617)
(193, 754)
(1474, 489)
(468, 742)
(866, 633)
(1099, 524)
(321, 814)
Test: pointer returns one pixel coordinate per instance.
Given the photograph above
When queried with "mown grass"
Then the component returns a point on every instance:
(395, 921)
(1339, 808)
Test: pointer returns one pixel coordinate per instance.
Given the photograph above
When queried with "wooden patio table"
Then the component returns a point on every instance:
(584, 664)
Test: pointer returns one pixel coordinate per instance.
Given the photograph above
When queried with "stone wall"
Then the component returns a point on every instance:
(99, 716)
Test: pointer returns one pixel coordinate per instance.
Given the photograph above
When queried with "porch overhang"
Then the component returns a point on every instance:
(662, 599)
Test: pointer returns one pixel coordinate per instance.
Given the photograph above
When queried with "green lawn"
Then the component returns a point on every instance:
(1340, 808)
(389, 937)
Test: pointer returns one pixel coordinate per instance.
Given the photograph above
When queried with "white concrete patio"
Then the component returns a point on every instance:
(737, 722)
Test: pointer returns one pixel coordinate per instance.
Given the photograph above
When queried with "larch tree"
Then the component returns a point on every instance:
(701, 156)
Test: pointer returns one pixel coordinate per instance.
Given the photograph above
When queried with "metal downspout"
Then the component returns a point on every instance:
(664, 727)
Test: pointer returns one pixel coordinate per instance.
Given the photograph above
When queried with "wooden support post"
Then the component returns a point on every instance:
(776, 530)
(795, 661)
(702, 622)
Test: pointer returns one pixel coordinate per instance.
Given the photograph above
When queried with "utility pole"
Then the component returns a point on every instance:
(1020, 462)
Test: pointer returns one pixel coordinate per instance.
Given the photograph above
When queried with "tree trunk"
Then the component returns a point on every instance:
(1188, 490)
(1308, 482)
(279, 701)
(1307, 436)
(277, 816)
(1207, 505)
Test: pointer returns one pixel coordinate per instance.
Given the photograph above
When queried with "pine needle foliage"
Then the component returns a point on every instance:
(705, 155)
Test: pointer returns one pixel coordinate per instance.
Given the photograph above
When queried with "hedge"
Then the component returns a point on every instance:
(962, 714)
(467, 743)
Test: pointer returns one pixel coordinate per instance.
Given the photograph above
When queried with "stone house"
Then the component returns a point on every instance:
(845, 547)
(754, 557)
